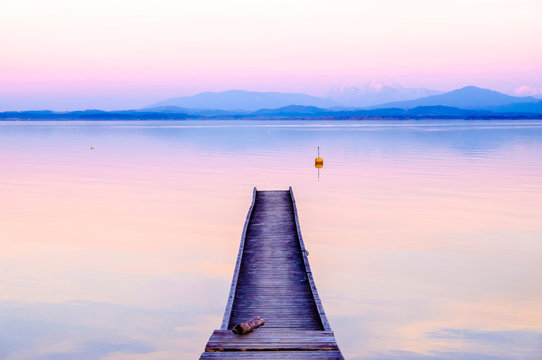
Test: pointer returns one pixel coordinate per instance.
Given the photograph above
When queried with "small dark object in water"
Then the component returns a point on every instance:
(248, 326)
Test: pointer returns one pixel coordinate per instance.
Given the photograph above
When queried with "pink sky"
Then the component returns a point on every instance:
(64, 54)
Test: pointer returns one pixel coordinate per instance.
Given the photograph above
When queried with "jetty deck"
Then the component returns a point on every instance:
(273, 279)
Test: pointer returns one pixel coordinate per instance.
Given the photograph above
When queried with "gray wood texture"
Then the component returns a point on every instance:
(273, 279)
(227, 312)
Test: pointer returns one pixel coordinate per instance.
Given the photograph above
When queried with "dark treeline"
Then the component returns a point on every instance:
(288, 112)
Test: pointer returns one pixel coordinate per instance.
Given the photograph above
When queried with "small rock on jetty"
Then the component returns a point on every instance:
(248, 326)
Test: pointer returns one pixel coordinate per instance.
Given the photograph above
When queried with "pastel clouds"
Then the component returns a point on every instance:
(526, 90)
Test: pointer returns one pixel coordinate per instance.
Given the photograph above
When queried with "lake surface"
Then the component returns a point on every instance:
(425, 237)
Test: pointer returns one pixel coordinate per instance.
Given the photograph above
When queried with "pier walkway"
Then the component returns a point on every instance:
(273, 279)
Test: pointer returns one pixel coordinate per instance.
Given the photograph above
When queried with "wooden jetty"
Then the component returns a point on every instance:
(273, 279)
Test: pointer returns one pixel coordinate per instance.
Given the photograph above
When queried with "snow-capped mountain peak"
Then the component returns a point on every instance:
(376, 92)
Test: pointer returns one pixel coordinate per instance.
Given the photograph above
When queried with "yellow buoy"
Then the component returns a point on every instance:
(319, 162)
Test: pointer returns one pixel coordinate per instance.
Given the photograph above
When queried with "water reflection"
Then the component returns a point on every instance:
(424, 236)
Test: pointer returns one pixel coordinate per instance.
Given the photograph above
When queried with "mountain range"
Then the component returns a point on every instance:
(469, 102)
(374, 93)
(468, 97)
(244, 100)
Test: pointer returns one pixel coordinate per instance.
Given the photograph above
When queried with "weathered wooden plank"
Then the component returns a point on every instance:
(273, 279)
(271, 355)
(233, 287)
(272, 340)
(272, 260)
(308, 270)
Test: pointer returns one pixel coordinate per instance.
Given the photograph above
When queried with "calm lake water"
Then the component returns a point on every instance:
(425, 237)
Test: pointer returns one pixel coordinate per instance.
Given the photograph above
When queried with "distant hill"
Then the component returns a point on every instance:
(421, 112)
(241, 101)
(192, 112)
(467, 103)
(527, 107)
(288, 112)
(374, 93)
(244, 100)
(292, 109)
(469, 97)
(92, 115)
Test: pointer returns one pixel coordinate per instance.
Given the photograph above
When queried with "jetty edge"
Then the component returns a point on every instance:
(273, 280)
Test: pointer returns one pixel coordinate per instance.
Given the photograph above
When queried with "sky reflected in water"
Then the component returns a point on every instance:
(425, 237)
